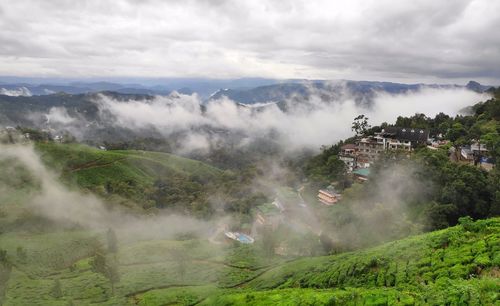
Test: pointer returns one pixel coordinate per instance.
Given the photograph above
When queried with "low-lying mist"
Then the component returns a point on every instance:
(69, 208)
(303, 125)
(299, 125)
(371, 213)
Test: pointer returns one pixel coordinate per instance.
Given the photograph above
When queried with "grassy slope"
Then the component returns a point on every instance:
(456, 265)
(149, 270)
(131, 174)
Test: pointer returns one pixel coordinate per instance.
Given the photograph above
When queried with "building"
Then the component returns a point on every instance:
(466, 153)
(392, 139)
(348, 155)
(473, 153)
(269, 214)
(368, 149)
(348, 149)
(371, 147)
(362, 161)
(329, 196)
(404, 138)
(361, 175)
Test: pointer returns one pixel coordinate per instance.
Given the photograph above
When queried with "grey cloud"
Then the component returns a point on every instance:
(388, 39)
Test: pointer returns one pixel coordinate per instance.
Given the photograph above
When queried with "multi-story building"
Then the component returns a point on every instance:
(348, 155)
(368, 149)
(404, 138)
(328, 196)
(371, 146)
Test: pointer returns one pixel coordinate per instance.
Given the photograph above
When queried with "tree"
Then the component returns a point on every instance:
(112, 241)
(360, 125)
(112, 275)
(180, 256)
(456, 131)
(56, 291)
(100, 265)
(269, 240)
(3, 256)
(21, 254)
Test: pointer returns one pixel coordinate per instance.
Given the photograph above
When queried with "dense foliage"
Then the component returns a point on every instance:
(437, 189)
(151, 180)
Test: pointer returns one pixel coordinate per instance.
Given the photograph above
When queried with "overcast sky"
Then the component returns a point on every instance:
(406, 41)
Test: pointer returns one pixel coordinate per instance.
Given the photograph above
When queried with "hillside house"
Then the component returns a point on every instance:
(361, 175)
(392, 139)
(362, 161)
(348, 149)
(371, 147)
(473, 153)
(329, 196)
(368, 149)
(404, 138)
(269, 214)
(348, 155)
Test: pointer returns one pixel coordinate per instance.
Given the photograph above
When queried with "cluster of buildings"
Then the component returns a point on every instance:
(475, 153)
(360, 155)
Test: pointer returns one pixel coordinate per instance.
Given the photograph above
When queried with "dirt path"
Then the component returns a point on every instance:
(95, 164)
(205, 261)
(131, 294)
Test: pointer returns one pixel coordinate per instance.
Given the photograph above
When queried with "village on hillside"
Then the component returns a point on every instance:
(359, 156)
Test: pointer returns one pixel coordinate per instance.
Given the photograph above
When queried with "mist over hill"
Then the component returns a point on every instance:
(282, 114)
(250, 152)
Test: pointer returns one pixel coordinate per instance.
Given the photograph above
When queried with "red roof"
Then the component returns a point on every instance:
(349, 146)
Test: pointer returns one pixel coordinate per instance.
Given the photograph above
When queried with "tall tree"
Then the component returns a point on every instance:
(56, 291)
(360, 125)
(112, 241)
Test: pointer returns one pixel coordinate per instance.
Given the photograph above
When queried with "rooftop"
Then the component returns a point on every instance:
(349, 146)
(268, 209)
(362, 172)
(409, 134)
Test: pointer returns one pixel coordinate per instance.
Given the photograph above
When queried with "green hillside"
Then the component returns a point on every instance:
(455, 266)
(150, 179)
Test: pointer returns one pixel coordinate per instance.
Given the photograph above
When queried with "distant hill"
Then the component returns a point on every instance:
(245, 90)
(362, 92)
(22, 110)
(23, 89)
(475, 86)
(18, 86)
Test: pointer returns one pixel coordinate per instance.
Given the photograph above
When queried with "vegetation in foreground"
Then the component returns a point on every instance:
(458, 265)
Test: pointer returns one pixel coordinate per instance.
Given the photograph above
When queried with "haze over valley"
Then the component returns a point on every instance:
(249, 153)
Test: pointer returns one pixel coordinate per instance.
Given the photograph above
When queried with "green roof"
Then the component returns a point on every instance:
(362, 172)
(286, 193)
(268, 209)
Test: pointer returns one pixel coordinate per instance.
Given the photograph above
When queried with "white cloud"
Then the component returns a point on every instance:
(308, 124)
(21, 91)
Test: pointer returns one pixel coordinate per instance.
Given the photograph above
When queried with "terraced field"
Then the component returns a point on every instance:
(132, 175)
(464, 260)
